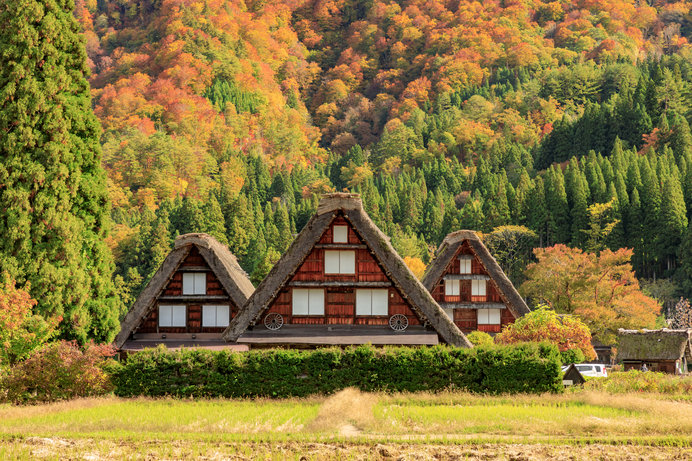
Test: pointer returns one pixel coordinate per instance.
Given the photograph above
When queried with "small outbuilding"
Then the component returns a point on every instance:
(572, 376)
(664, 350)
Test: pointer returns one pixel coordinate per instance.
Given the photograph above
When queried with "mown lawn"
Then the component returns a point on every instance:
(353, 425)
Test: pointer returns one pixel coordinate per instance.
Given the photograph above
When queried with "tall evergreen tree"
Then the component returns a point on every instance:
(53, 199)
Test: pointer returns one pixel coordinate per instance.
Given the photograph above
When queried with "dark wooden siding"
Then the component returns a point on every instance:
(467, 319)
(340, 302)
(194, 310)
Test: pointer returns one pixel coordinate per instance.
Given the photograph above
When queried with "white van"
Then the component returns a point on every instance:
(593, 370)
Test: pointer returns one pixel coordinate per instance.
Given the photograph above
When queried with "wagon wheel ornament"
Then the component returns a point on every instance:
(398, 322)
(273, 321)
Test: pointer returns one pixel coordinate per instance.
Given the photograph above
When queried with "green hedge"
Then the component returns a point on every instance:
(287, 373)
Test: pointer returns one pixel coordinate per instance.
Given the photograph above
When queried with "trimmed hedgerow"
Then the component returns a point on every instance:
(527, 367)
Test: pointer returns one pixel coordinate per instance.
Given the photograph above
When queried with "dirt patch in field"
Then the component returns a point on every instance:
(42, 448)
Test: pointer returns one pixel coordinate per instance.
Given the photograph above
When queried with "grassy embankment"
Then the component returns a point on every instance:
(353, 424)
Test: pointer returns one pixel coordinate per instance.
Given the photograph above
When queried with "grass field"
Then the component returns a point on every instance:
(354, 425)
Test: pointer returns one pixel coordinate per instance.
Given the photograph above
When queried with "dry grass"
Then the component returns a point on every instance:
(348, 411)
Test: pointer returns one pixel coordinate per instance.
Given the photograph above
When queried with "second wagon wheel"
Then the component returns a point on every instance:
(273, 321)
(398, 322)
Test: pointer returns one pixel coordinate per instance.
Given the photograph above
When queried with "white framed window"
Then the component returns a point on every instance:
(194, 283)
(215, 316)
(340, 234)
(452, 287)
(339, 262)
(478, 287)
(372, 301)
(172, 316)
(308, 301)
(450, 313)
(488, 316)
(465, 264)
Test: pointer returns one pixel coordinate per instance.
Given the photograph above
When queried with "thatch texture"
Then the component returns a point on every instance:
(351, 207)
(224, 264)
(653, 345)
(448, 249)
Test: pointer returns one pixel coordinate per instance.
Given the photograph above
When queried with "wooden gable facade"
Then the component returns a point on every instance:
(346, 295)
(339, 283)
(190, 300)
(210, 296)
(470, 286)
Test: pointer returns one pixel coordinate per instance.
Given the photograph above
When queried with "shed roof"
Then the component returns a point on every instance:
(350, 207)
(663, 344)
(448, 249)
(219, 258)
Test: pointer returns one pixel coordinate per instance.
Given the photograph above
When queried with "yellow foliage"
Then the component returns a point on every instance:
(416, 265)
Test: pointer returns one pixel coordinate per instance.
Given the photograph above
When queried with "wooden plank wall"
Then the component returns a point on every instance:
(340, 302)
(194, 311)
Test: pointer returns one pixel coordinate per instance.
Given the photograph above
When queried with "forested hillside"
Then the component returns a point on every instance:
(231, 117)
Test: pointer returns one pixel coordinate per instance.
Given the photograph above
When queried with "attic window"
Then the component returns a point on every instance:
(340, 234)
(452, 287)
(478, 288)
(172, 316)
(339, 262)
(194, 283)
(465, 264)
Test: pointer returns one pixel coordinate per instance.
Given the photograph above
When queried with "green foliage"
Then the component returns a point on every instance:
(572, 356)
(531, 368)
(59, 371)
(634, 381)
(543, 324)
(480, 338)
(53, 200)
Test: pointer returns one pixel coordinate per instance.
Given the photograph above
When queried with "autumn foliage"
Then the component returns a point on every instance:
(543, 324)
(58, 371)
(602, 290)
(20, 330)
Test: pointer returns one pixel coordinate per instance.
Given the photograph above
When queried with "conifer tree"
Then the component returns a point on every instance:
(673, 221)
(54, 212)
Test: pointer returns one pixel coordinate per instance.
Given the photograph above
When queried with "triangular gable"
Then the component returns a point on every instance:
(448, 251)
(350, 206)
(217, 256)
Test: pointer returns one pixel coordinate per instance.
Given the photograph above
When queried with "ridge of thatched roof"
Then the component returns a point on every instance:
(219, 258)
(350, 207)
(663, 344)
(446, 251)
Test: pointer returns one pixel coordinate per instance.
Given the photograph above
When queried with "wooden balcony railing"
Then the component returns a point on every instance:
(479, 299)
(490, 328)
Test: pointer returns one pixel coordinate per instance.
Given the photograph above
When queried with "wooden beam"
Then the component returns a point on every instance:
(473, 305)
(200, 298)
(466, 277)
(194, 269)
(342, 246)
(333, 284)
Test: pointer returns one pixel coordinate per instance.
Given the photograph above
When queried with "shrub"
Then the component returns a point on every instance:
(59, 371)
(572, 356)
(544, 324)
(622, 382)
(480, 338)
(285, 373)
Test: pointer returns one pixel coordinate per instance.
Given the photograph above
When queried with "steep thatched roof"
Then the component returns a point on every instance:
(448, 249)
(351, 207)
(661, 344)
(225, 266)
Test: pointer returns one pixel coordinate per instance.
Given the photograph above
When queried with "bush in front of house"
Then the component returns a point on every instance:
(58, 371)
(480, 338)
(572, 356)
(633, 381)
(526, 367)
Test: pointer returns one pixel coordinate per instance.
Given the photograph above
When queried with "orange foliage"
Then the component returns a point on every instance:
(600, 289)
